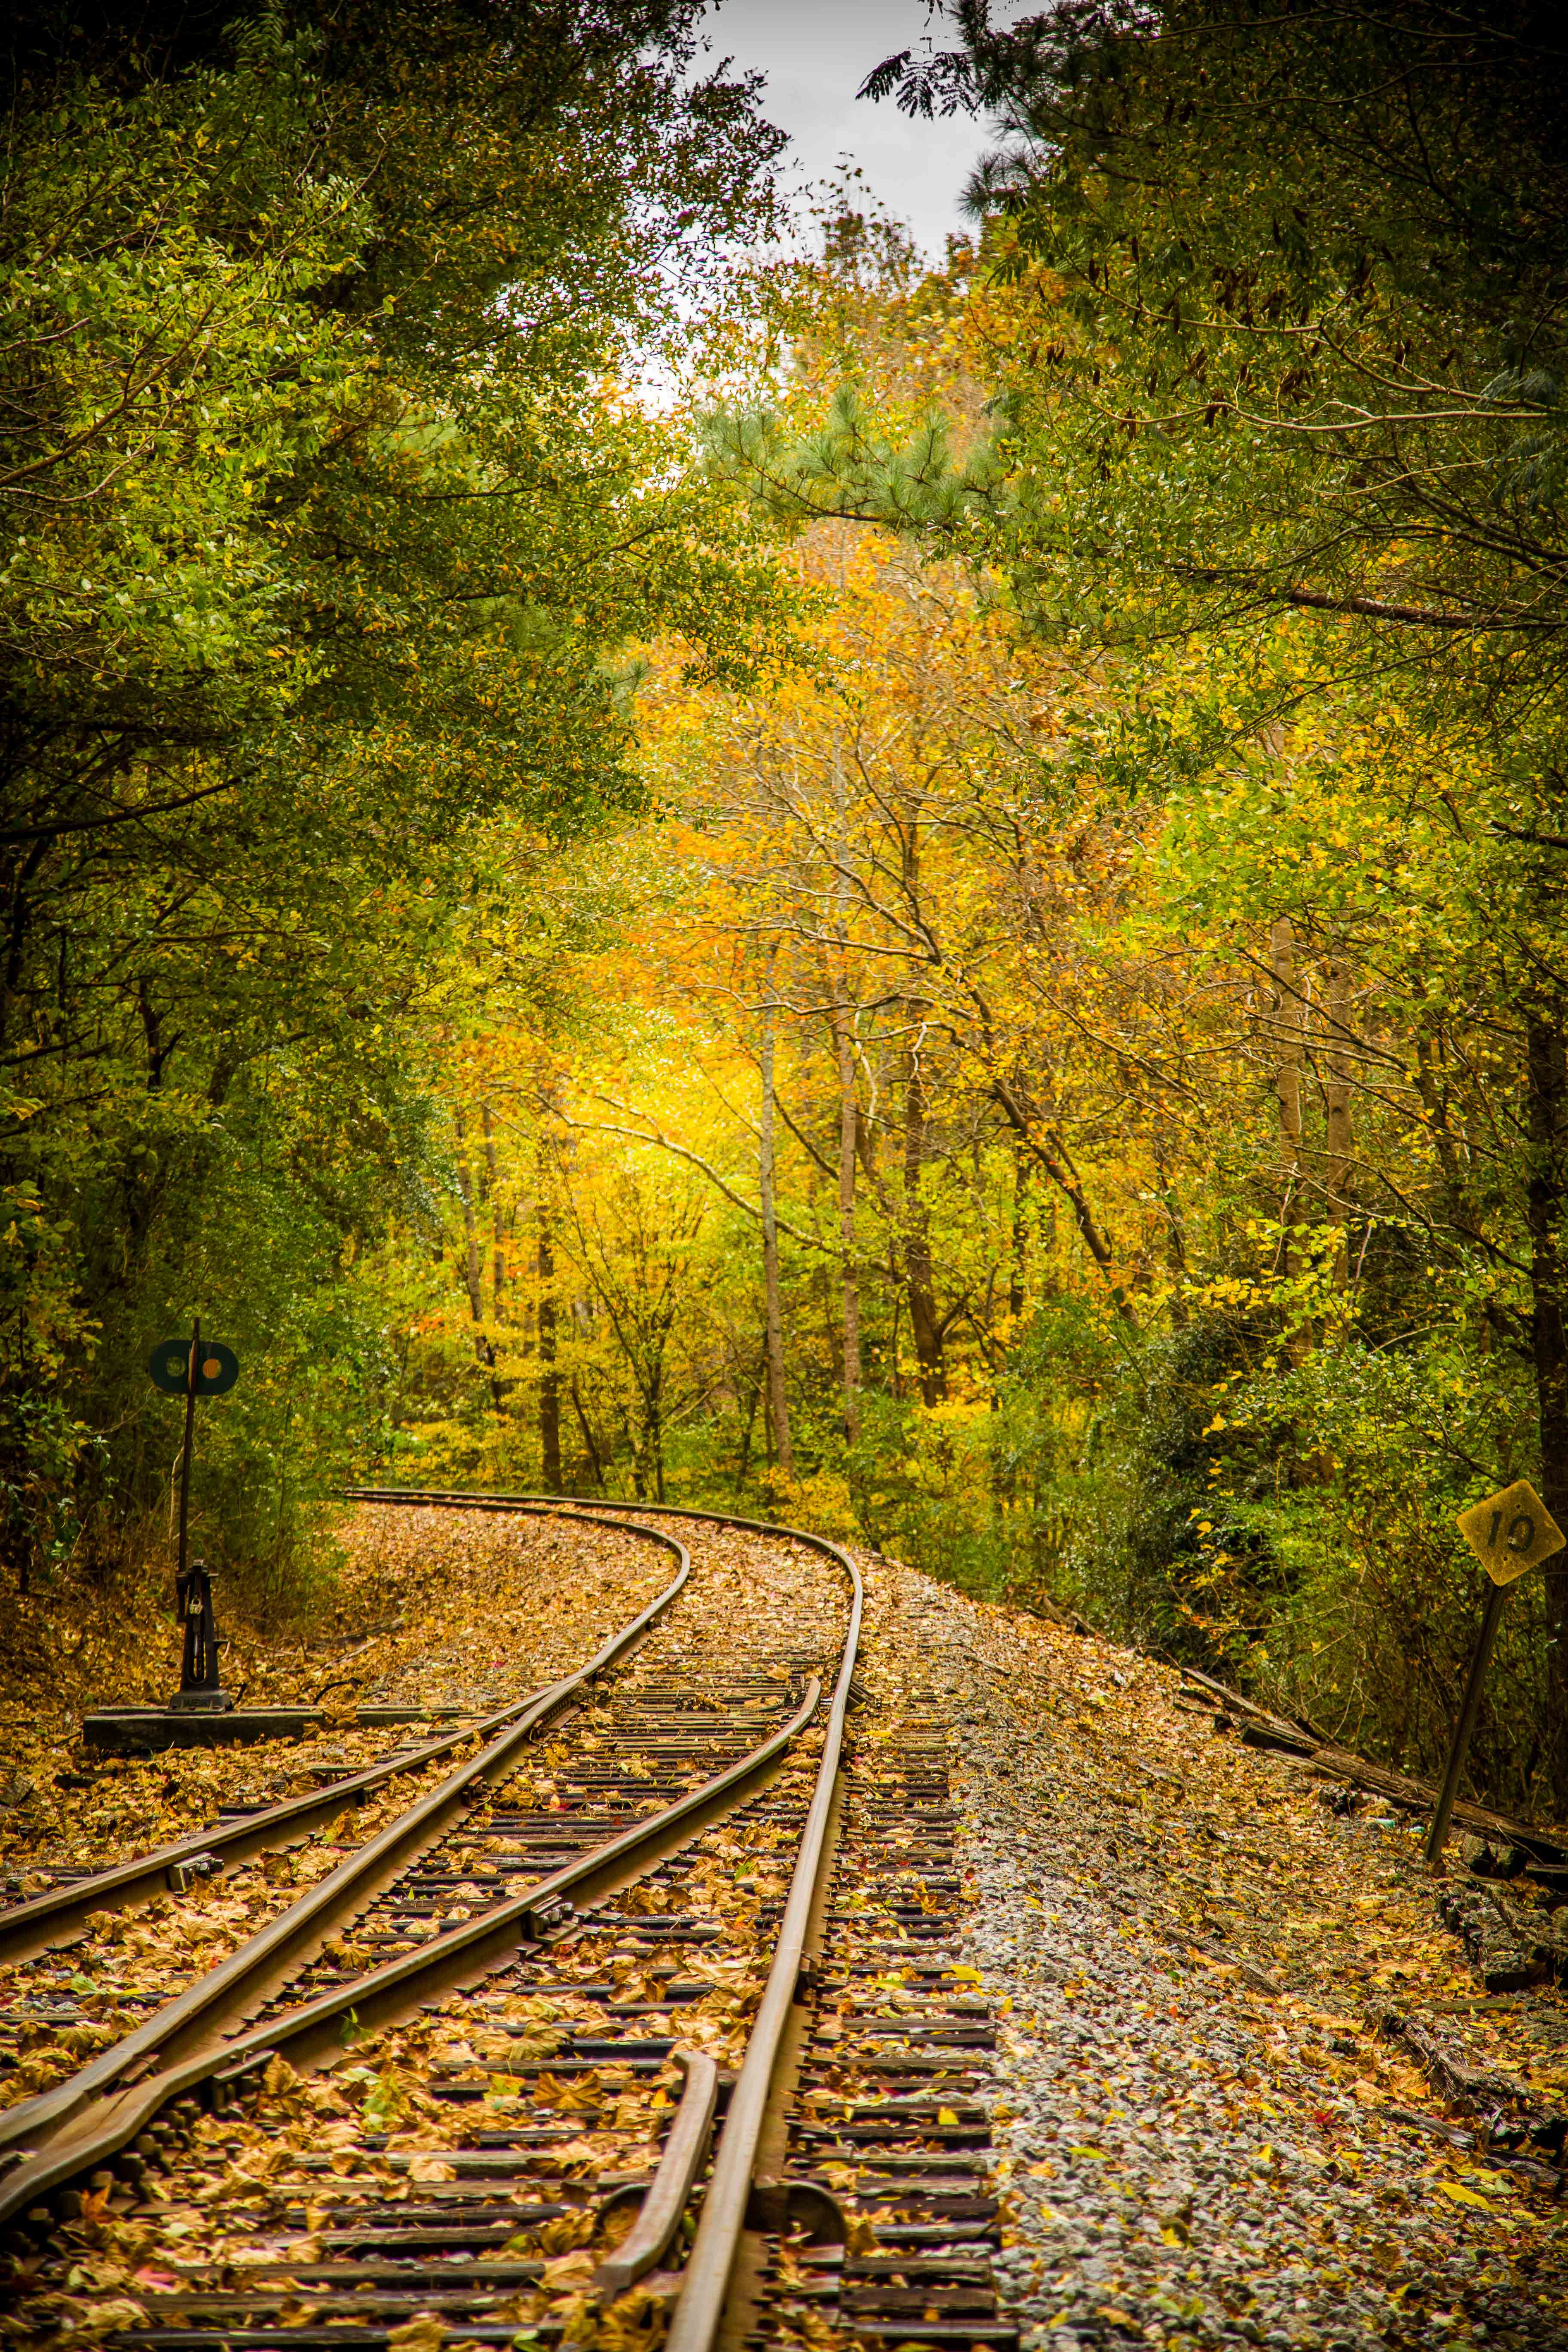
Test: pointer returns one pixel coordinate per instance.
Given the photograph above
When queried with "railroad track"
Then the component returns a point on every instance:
(55, 1914)
(710, 1911)
(60, 1915)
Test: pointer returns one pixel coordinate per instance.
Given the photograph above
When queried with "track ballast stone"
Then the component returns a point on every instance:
(1205, 2133)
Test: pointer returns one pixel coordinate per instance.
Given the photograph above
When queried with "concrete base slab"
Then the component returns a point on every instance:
(201, 1702)
(144, 1731)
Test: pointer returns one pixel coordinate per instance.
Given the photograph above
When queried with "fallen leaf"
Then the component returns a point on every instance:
(425, 2334)
(570, 2273)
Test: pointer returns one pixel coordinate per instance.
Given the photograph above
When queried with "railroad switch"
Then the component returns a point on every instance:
(200, 1692)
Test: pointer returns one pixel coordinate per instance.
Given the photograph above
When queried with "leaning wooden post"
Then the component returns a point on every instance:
(1469, 1709)
(1509, 1533)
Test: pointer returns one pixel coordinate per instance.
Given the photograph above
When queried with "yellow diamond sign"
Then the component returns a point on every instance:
(1511, 1531)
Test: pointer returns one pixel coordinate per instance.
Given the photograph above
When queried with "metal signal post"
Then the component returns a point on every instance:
(191, 1362)
(1468, 1710)
(202, 1368)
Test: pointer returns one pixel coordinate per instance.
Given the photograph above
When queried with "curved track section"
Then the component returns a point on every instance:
(45, 1921)
(271, 1956)
(575, 2069)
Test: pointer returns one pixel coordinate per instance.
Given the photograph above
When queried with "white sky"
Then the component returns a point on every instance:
(816, 53)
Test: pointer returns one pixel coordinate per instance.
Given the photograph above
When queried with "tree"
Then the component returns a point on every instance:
(1295, 279)
(1287, 332)
(328, 521)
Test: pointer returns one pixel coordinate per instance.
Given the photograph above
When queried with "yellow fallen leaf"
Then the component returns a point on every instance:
(430, 2167)
(425, 2334)
(569, 2274)
(1463, 2196)
(107, 2318)
(946, 2115)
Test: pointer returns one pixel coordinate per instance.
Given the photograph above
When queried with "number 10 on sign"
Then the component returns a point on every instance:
(1510, 1532)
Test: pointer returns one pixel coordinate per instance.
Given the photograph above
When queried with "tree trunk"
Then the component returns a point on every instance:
(917, 1271)
(1018, 1254)
(847, 1116)
(653, 1427)
(18, 915)
(471, 1275)
(1340, 1139)
(778, 1401)
(498, 1230)
(755, 1389)
(589, 1440)
(1546, 1058)
(1287, 1073)
(549, 1376)
(1431, 1083)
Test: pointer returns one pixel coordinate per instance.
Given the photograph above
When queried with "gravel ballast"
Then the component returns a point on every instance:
(1208, 2124)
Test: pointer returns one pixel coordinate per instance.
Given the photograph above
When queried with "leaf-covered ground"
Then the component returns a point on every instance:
(437, 1609)
(1213, 2121)
(258, 2188)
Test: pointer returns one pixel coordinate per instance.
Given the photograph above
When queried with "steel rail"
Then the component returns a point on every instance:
(694, 2323)
(45, 1921)
(705, 2281)
(670, 2191)
(265, 1958)
(387, 1994)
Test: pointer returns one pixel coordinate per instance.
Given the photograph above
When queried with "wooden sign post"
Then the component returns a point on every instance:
(1509, 1533)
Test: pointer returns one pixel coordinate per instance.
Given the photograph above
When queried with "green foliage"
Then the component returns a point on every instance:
(852, 468)
(1282, 357)
(1292, 342)
(327, 526)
